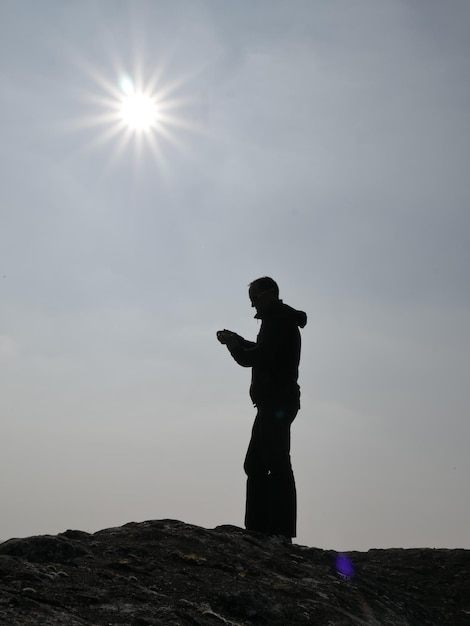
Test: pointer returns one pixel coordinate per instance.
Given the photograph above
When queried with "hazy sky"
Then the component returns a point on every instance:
(323, 143)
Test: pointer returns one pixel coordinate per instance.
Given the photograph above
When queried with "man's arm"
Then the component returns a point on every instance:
(249, 354)
(235, 343)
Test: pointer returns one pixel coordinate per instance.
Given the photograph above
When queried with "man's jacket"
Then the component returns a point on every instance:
(274, 358)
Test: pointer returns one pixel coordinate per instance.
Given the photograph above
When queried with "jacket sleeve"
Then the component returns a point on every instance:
(250, 354)
(243, 346)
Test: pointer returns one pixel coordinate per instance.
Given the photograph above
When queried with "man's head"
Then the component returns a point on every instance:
(263, 291)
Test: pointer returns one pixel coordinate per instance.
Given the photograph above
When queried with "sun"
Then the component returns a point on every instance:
(139, 111)
(139, 114)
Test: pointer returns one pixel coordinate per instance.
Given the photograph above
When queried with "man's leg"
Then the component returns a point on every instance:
(257, 505)
(282, 498)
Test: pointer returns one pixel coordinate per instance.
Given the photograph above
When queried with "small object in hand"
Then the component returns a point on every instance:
(220, 336)
(224, 335)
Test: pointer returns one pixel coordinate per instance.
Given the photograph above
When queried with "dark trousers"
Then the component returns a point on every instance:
(271, 501)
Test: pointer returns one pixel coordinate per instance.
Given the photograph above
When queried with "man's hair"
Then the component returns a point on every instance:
(265, 283)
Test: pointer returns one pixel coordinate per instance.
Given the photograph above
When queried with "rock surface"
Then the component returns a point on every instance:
(167, 573)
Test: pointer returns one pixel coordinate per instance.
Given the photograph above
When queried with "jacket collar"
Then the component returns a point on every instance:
(269, 310)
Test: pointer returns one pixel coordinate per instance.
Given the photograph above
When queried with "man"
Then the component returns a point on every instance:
(271, 505)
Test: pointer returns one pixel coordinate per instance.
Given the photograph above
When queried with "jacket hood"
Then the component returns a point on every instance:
(299, 318)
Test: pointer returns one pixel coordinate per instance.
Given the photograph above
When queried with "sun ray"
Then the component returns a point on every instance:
(132, 111)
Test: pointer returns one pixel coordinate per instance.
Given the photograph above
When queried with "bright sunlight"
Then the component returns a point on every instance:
(137, 114)
(139, 111)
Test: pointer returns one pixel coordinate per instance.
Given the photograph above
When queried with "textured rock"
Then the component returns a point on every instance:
(162, 573)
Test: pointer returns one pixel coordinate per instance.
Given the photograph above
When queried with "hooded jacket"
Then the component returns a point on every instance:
(274, 357)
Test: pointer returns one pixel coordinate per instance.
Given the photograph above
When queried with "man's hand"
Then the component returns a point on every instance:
(228, 338)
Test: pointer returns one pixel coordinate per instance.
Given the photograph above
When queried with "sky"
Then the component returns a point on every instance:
(325, 144)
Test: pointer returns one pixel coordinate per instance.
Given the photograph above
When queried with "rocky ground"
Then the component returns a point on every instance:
(168, 573)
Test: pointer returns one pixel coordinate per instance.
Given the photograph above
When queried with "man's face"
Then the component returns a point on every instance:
(260, 300)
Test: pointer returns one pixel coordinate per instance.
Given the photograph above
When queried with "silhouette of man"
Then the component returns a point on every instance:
(271, 506)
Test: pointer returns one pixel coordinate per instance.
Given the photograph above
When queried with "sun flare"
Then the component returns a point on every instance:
(138, 115)
(139, 111)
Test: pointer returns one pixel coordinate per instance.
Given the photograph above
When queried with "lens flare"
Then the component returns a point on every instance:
(137, 113)
(344, 565)
(127, 85)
